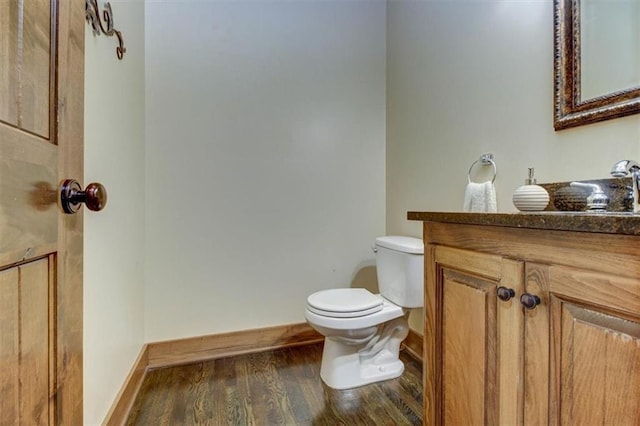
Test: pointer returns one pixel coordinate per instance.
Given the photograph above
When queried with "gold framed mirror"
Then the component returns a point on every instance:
(581, 56)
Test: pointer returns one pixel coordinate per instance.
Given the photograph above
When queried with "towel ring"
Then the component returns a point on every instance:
(485, 160)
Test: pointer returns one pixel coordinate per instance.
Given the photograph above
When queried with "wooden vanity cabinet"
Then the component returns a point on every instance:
(574, 359)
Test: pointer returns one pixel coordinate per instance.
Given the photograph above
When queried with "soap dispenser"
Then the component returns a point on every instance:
(530, 197)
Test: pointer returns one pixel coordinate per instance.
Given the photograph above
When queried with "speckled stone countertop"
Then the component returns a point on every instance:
(624, 223)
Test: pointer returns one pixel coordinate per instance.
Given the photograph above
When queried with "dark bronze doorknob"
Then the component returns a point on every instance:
(505, 293)
(529, 301)
(72, 196)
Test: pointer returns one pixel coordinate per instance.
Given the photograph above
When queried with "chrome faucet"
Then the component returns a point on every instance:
(597, 200)
(625, 168)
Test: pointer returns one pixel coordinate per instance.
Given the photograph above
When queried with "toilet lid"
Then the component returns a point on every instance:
(344, 302)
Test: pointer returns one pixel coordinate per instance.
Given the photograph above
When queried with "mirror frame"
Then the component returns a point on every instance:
(570, 111)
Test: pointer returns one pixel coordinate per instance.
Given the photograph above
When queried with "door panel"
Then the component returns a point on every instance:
(538, 407)
(9, 344)
(25, 333)
(41, 130)
(473, 340)
(28, 196)
(35, 68)
(8, 65)
(596, 321)
(602, 385)
(469, 349)
(583, 347)
(35, 323)
(26, 73)
(510, 346)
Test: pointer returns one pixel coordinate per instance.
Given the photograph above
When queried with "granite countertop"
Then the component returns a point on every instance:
(624, 223)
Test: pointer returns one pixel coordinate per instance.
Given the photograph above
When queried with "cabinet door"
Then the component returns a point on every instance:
(477, 339)
(591, 344)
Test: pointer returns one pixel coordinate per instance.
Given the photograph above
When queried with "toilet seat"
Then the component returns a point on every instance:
(344, 303)
(344, 314)
(388, 312)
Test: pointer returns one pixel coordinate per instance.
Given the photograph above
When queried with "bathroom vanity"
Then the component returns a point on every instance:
(531, 318)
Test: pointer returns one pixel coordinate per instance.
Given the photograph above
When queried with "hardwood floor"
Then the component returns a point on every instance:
(280, 387)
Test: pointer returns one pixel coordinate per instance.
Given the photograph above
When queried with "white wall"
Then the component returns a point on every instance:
(469, 77)
(114, 238)
(265, 158)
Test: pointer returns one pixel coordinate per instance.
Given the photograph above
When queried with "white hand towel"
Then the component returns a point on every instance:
(480, 198)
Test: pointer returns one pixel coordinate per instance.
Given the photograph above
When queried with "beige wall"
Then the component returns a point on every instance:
(468, 77)
(265, 127)
(114, 239)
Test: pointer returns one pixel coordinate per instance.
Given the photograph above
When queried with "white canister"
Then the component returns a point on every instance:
(530, 197)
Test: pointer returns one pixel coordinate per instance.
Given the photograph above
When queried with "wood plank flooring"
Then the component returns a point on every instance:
(279, 387)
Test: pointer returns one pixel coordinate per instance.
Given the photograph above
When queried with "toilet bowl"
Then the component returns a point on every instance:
(363, 331)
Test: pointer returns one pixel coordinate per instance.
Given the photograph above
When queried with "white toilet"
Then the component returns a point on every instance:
(364, 330)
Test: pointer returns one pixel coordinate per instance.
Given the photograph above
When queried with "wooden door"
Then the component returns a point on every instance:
(477, 344)
(583, 347)
(41, 131)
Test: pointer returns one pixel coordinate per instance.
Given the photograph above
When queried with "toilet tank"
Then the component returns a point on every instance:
(400, 269)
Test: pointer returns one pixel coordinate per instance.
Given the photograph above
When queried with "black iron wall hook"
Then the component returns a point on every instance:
(106, 28)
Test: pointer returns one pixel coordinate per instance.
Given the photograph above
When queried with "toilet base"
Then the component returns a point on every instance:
(347, 366)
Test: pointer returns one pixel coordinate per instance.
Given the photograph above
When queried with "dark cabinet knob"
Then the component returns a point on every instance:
(505, 293)
(529, 301)
(72, 196)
